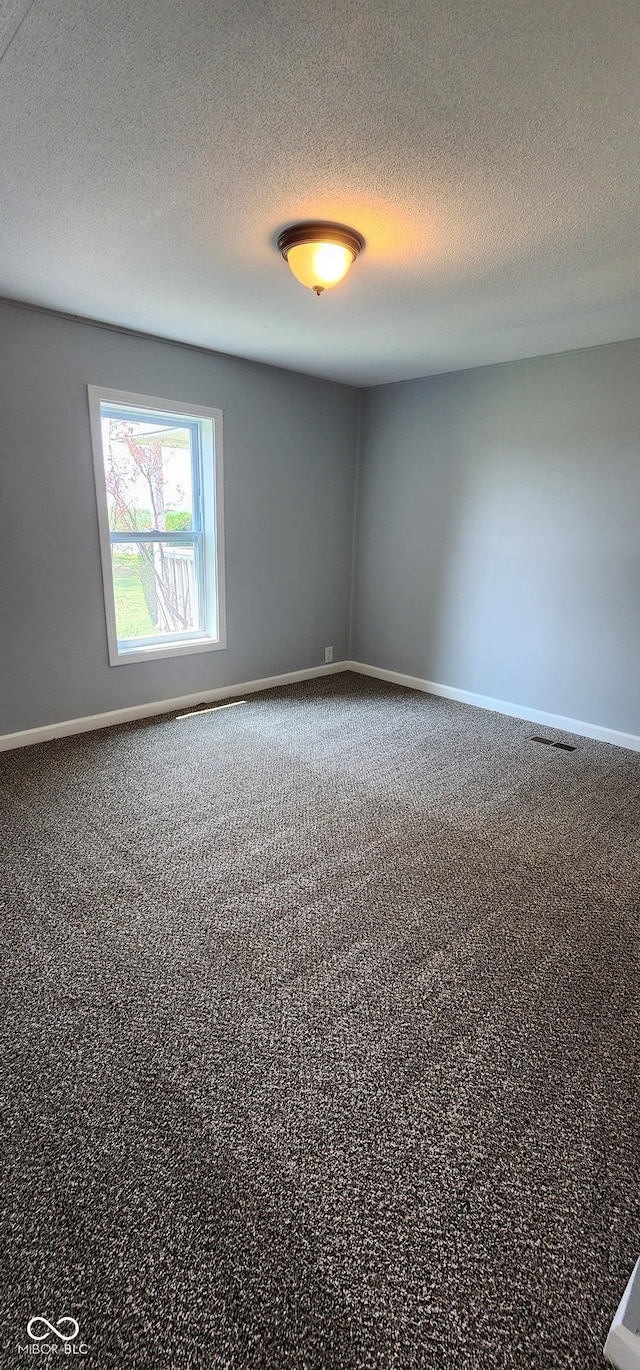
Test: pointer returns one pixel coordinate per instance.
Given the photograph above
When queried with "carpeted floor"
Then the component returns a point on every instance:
(323, 1038)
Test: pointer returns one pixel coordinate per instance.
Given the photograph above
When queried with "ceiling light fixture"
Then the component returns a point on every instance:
(320, 254)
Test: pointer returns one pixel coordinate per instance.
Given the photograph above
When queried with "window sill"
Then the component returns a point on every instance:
(154, 651)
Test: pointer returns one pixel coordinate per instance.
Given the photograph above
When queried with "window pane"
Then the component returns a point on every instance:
(148, 473)
(156, 589)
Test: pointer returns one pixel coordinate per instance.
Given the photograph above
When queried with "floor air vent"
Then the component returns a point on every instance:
(549, 742)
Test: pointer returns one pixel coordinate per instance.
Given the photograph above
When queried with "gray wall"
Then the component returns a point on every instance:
(290, 444)
(498, 533)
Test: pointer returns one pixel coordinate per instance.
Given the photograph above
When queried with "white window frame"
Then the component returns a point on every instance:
(213, 637)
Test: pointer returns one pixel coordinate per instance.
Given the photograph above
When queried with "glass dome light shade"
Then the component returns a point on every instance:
(319, 265)
(320, 253)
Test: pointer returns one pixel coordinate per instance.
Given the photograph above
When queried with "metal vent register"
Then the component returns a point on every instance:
(549, 742)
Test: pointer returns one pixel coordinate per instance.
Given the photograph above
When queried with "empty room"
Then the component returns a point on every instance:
(320, 684)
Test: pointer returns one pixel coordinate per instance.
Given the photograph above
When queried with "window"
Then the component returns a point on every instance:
(158, 469)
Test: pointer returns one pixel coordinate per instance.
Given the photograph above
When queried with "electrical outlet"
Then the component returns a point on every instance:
(328, 655)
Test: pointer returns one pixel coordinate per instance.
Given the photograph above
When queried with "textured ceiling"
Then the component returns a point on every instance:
(487, 150)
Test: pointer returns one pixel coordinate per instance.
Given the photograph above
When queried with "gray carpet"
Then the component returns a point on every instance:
(323, 1038)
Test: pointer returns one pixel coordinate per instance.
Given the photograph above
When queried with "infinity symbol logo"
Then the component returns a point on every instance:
(49, 1327)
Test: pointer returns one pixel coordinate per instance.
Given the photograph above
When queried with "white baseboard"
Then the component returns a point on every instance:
(70, 726)
(500, 706)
